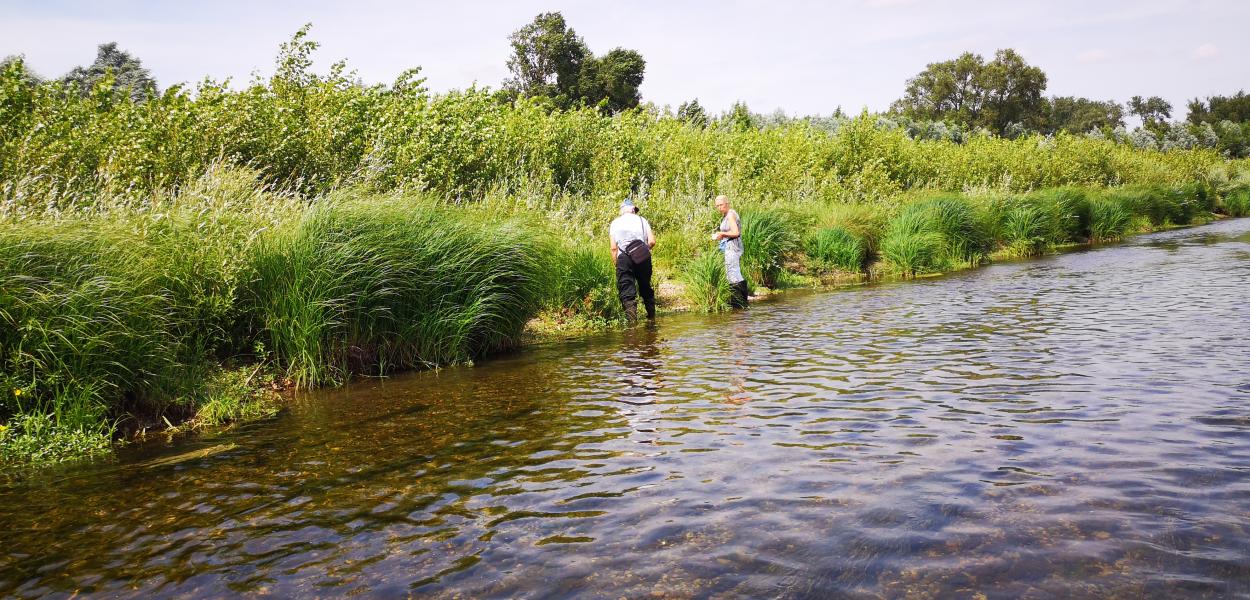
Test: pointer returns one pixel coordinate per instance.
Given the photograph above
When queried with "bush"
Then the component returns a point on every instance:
(1236, 202)
(1026, 230)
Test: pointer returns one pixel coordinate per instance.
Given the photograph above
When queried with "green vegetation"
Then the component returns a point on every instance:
(164, 258)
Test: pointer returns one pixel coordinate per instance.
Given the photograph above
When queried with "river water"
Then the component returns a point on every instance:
(1072, 426)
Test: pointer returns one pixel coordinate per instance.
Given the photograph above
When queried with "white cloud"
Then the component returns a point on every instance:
(1091, 56)
(1206, 51)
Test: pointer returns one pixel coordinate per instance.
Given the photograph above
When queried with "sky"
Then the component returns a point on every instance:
(798, 57)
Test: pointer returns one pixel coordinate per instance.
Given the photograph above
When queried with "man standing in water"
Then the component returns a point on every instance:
(632, 240)
(730, 238)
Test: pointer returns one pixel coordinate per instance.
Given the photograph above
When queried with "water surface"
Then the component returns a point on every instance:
(1073, 426)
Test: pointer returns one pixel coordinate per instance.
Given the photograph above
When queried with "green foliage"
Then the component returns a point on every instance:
(1153, 111)
(1080, 115)
(1108, 220)
(1237, 202)
(1026, 229)
(1235, 108)
(693, 113)
(768, 236)
(706, 289)
(587, 283)
(114, 69)
(376, 284)
(911, 247)
(975, 93)
(837, 248)
(550, 60)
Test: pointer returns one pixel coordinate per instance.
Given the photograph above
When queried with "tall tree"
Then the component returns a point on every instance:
(945, 90)
(1080, 115)
(616, 78)
(1013, 91)
(692, 112)
(549, 59)
(1153, 110)
(972, 92)
(1235, 108)
(17, 61)
(128, 73)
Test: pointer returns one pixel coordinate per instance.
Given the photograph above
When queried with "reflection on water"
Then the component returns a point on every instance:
(1072, 426)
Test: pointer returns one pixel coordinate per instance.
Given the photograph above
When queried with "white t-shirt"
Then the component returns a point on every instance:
(627, 228)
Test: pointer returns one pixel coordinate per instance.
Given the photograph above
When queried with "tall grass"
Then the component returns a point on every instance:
(836, 248)
(768, 236)
(370, 286)
(706, 289)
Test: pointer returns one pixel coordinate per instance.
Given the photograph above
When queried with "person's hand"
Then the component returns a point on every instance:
(717, 236)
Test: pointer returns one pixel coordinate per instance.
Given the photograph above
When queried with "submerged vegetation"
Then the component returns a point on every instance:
(163, 258)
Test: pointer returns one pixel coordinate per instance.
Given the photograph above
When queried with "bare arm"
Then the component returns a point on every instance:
(650, 237)
(614, 249)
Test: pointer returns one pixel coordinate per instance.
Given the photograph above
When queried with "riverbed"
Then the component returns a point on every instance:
(1071, 426)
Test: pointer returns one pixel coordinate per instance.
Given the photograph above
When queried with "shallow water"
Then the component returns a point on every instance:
(1077, 425)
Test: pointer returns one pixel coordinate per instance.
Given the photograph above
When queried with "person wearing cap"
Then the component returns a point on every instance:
(729, 236)
(632, 241)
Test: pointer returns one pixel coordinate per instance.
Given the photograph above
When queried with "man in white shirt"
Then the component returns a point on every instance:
(632, 241)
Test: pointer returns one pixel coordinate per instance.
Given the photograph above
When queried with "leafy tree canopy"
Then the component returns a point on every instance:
(549, 59)
(1234, 108)
(1154, 111)
(127, 71)
(1080, 115)
(971, 92)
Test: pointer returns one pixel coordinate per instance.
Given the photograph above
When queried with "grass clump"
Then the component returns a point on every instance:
(1236, 203)
(586, 284)
(1109, 220)
(935, 234)
(377, 284)
(767, 237)
(836, 248)
(706, 288)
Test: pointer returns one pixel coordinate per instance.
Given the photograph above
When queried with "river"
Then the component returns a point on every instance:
(1072, 426)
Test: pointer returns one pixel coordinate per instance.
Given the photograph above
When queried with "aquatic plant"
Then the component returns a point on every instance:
(586, 282)
(376, 284)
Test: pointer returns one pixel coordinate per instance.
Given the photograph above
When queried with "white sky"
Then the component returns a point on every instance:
(801, 57)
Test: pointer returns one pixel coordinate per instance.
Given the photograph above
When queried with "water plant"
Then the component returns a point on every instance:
(767, 237)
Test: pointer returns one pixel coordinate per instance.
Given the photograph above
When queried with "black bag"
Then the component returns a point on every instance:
(638, 251)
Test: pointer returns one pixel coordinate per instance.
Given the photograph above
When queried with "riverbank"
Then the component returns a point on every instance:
(191, 309)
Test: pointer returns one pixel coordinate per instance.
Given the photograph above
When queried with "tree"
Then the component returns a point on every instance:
(17, 61)
(1080, 115)
(127, 71)
(1234, 108)
(945, 91)
(1013, 91)
(549, 59)
(616, 78)
(693, 113)
(1153, 110)
(973, 93)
